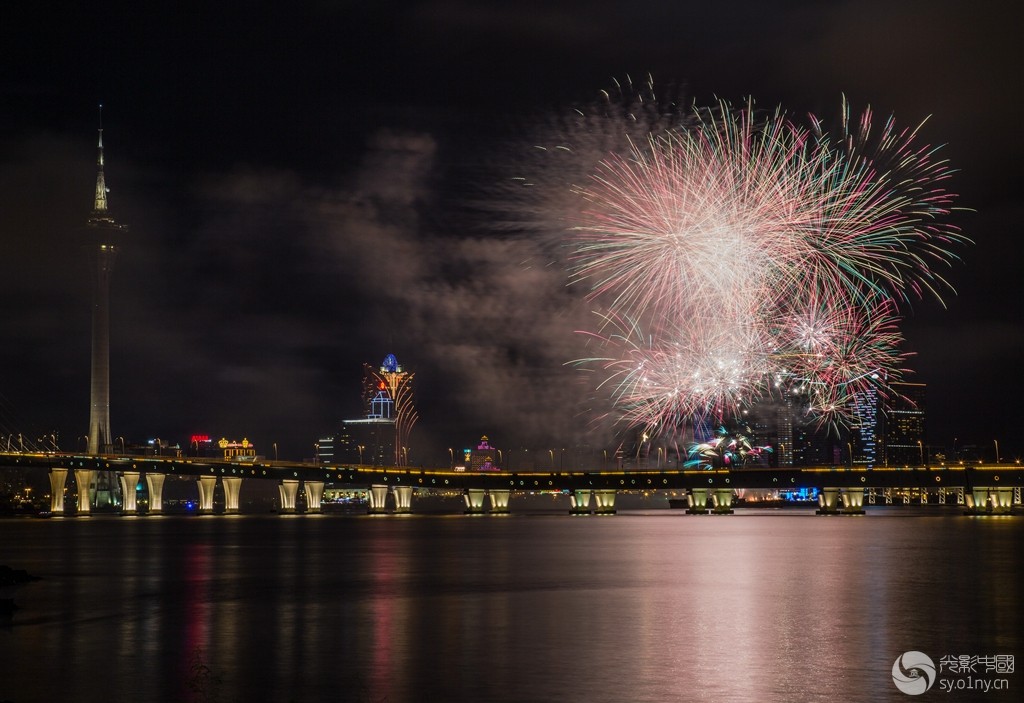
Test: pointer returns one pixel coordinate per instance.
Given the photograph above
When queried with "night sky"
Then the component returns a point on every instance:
(311, 187)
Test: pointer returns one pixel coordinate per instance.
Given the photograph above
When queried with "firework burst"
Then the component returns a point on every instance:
(742, 253)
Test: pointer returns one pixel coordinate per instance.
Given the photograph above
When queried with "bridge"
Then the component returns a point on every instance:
(983, 489)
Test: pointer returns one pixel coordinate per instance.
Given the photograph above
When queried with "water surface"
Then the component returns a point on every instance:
(644, 606)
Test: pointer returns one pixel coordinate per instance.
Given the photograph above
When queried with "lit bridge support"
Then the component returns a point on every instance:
(580, 502)
(57, 479)
(83, 480)
(829, 501)
(403, 499)
(377, 497)
(853, 501)
(990, 500)
(206, 485)
(604, 500)
(474, 501)
(314, 495)
(697, 498)
(129, 492)
(155, 484)
(232, 488)
(721, 499)
(289, 491)
(499, 500)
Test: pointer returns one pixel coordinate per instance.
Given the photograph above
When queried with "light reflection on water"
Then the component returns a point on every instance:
(649, 606)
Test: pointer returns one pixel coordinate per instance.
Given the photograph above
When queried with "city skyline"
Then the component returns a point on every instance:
(299, 211)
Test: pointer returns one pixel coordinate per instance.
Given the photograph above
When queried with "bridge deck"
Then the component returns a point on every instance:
(1011, 475)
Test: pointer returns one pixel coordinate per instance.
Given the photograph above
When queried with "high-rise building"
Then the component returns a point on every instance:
(484, 457)
(394, 395)
(367, 441)
(103, 235)
(905, 425)
(325, 450)
(866, 445)
(381, 436)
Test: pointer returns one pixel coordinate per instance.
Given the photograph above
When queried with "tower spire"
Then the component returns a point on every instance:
(100, 204)
(102, 241)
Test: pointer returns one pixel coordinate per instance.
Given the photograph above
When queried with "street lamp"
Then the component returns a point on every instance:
(84, 437)
(361, 448)
(920, 448)
(274, 445)
(122, 444)
(451, 458)
(996, 441)
(551, 454)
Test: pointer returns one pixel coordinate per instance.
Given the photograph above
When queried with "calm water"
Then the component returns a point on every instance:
(646, 606)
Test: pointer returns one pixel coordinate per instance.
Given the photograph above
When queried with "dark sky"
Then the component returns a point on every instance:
(303, 187)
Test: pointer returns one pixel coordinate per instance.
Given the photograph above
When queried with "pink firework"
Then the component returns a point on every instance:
(747, 253)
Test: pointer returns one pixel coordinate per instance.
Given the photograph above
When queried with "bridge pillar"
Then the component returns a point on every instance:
(990, 500)
(698, 501)
(721, 499)
(289, 491)
(828, 501)
(83, 479)
(403, 498)
(580, 502)
(129, 492)
(232, 488)
(604, 500)
(474, 500)
(499, 500)
(1016, 495)
(206, 485)
(57, 479)
(853, 501)
(155, 484)
(378, 495)
(314, 495)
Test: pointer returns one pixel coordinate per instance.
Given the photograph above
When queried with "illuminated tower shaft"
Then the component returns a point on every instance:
(103, 233)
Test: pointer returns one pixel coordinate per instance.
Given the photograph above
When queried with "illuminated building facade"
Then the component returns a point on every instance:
(381, 437)
(904, 426)
(244, 451)
(484, 457)
(392, 399)
(325, 450)
(866, 441)
(366, 441)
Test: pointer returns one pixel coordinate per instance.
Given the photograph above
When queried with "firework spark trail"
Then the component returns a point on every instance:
(740, 251)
